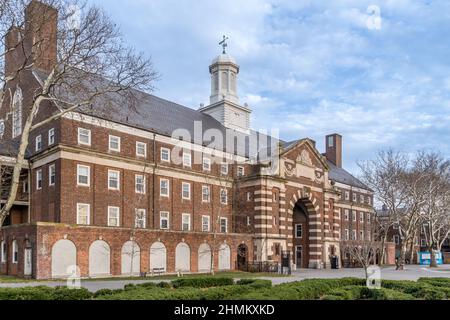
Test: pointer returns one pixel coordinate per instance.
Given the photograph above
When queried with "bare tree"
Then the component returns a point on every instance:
(81, 63)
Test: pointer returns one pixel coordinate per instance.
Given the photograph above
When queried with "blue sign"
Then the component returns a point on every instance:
(425, 258)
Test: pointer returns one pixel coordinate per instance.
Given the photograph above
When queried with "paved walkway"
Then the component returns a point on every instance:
(388, 273)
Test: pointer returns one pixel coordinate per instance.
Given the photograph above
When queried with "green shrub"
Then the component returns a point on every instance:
(146, 285)
(164, 285)
(204, 282)
(103, 292)
(437, 282)
(64, 293)
(129, 286)
(255, 283)
(387, 294)
(420, 290)
(44, 293)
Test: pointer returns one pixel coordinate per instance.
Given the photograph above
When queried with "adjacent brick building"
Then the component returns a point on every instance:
(113, 190)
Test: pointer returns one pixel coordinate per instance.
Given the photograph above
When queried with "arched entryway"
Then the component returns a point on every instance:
(99, 259)
(242, 257)
(64, 257)
(301, 235)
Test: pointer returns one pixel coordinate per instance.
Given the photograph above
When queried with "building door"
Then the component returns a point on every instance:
(28, 262)
(299, 256)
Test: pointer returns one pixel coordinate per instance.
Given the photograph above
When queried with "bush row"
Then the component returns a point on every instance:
(204, 282)
(44, 293)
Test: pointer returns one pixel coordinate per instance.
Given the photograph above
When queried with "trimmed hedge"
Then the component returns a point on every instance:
(206, 282)
(44, 293)
(364, 293)
(420, 290)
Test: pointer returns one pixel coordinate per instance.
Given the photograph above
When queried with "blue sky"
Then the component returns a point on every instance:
(310, 67)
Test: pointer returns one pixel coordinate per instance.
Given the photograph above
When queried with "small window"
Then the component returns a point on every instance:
(52, 175)
(165, 155)
(51, 136)
(223, 225)
(24, 187)
(15, 253)
(369, 236)
(347, 195)
(361, 198)
(3, 252)
(206, 194)
(113, 180)
(114, 143)
(164, 220)
(141, 149)
(140, 219)
(249, 221)
(186, 222)
(361, 217)
(224, 196)
(353, 234)
(346, 214)
(224, 168)
(205, 223)
(354, 216)
(331, 142)
(38, 143)
(298, 231)
(164, 188)
(113, 217)
(84, 136)
(206, 164)
(140, 184)
(241, 171)
(347, 234)
(354, 197)
(368, 217)
(187, 159)
(186, 191)
(369, 200)
(39, 179)
(361, 235)
(83, 214)
(83, 176)
(249, 196)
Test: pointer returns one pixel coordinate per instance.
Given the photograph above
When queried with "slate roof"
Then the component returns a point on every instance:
(343, 176)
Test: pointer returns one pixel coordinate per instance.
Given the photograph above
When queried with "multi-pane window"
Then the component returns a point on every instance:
(113, 180)
(187, 159)
(38, 143)
(83, 214)
(361, 217)
(353, 234)
(164, 188)
(3, 252)
(186, 191)
(249, 196)
(186, 222)
(240, 171)
(354, 197)
(347, 234)
(206, 164)
(84, 136)
(164, 220)
(298, 231)
(223, 196)
(346, 214)
(205, 223)
(368, 217)
(140, 218)
(223, 225)
(361, 235)
(39, 179)
(51, 175)
(361, 198)
(113, 217)
(354, 216)
(165, 155)
(83, 175)
(206, 193)
(140, 184)
(114, 143)
(224, 168)
(141, 149)
(347, 195)
(51, 136)
(15, 253)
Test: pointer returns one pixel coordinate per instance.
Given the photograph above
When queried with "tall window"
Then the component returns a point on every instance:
(3, 252)
(346, 214)
(164, 188)
(140, 218)
(140, 184)
(347, 195)
(17, 113)
(347, 235)
(39, 179)
(165, 155)
(206, 164)
(164, 220)
(114, 143)
(241, 171)
(361, 235)
(113, 180)
(298, 231)
(141, 149)
(83, 214)
(223, 225)
(113, 217)
(83, 175)
(223, 196)
(52, 175)
(224, 168)
(353, 234)
(186, 222)
(206, 194)
(361, 217)
(396, 239)
(38, 143)
(84, 136)
(186, 191)
(205, 223)
(15, 253)
(51, 136)
(354, 216)
(187, 159)
(368, 217)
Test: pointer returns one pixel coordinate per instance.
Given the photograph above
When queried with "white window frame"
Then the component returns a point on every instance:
(3, 251)
(296, 231)
(347, 195)
(88, 184)
(15, 252)
(117, 211)
(137, 218)
(51, 169)
(207, 162)
(249, 221)
(162, 218)
(361, 217)
(88, 132)
(110, 173)
(110, 140)
(240, 168)
(226, 224)
(38, 143)
(354, 218)
(347, 235)
(361, 198)
(160, 188)
(39, 179)
(88, 218)
(183, 185)
(226, 197)
(51, 136)
(354, 235)
(223, 166)
(346, 214)
(208, 193)
(163, 151)
(208, 219)
(187, 156)
(144, 182)
(369, 217)
(183, 216)
(140, 145)
(249, 196)
(355, 197)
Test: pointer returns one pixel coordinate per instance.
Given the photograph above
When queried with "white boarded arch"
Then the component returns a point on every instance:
(99, 259)
(131, 258)
(183, 257)
(224, 257)
(158, 257)
(64, 256)
(204, 258)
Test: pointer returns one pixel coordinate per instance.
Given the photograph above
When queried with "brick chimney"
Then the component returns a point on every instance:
(39, 39)
(333, 146)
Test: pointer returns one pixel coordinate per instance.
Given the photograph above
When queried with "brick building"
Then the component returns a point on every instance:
(115, 191)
